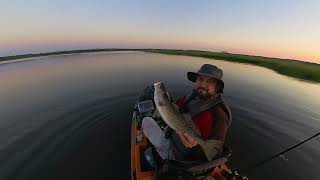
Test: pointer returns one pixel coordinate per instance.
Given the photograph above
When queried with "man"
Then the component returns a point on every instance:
(208, 111)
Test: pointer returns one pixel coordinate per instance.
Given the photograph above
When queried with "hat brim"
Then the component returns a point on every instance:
(192, 76)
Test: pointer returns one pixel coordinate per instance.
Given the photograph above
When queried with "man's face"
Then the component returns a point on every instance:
(206, 86)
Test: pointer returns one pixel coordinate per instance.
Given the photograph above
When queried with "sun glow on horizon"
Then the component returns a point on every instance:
(286, 29)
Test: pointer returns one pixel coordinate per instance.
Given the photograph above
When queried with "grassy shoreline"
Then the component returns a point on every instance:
(292, 68)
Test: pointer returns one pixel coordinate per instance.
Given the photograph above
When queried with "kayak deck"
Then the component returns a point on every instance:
(137, 170)
(140, 169)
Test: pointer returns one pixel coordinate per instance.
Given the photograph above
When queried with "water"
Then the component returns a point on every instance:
(69, 116)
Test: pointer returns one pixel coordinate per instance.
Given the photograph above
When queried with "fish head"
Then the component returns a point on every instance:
(159, 86)
(160, 93)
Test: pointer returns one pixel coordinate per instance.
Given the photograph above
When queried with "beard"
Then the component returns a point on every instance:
(203, 93)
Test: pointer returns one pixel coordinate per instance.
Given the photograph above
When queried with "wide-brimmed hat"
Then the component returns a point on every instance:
(210, 71)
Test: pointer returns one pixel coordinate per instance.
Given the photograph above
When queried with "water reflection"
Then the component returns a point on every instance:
(89, 96)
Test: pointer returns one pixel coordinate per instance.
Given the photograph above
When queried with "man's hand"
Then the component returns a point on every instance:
(187, 140)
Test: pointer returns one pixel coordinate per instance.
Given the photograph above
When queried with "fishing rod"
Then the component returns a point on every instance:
(256, 165)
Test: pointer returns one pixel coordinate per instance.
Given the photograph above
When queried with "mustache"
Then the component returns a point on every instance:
(201, 88)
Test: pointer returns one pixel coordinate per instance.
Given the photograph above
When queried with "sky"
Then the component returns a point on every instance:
(273, 28)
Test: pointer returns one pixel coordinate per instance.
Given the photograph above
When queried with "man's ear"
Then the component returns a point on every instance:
(217, 87)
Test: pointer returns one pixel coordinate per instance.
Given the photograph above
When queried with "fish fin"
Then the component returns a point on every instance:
(211, 148)
(156, 114)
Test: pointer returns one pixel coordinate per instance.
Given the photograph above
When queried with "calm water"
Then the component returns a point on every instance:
(69, 117)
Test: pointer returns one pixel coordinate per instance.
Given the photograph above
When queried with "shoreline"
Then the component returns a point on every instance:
(293, 68)
(53, 55)
(22, 57)
(300, 70)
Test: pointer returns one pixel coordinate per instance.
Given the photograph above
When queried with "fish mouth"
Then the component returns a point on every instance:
(158, 83)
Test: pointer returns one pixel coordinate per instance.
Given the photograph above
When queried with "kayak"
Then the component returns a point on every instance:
(145, 168)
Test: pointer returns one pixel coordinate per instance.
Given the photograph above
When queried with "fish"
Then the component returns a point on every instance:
(182, 122)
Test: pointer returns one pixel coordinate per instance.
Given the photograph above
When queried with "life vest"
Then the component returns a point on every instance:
(207, 105)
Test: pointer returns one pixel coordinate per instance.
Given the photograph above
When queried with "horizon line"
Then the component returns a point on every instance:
(87, 50)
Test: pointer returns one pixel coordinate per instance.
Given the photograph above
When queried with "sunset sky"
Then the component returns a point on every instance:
(285, 29)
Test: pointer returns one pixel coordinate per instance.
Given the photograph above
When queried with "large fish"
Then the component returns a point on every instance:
(182, 122)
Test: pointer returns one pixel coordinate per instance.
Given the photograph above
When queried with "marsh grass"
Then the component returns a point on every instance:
(297, 69)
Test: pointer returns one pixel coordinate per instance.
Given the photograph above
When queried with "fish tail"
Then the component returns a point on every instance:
(211, 148)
